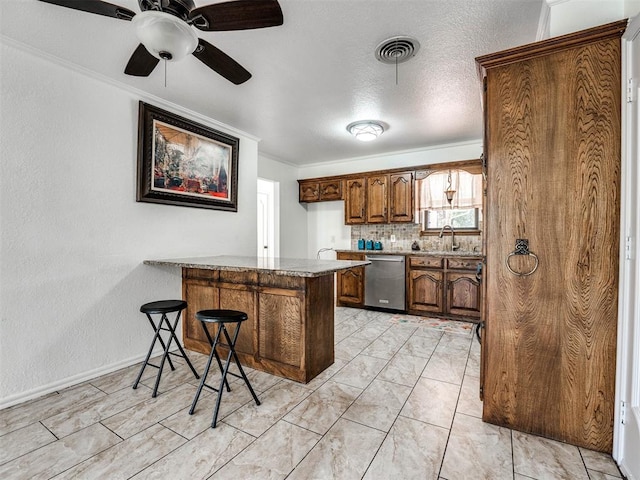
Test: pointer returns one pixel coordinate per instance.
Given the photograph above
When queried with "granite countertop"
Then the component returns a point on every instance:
(443, 253)
(295, 267)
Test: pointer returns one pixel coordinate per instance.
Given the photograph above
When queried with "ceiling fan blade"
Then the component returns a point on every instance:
(220, 62)
(237, 15)
(95, 6)
(141, 63)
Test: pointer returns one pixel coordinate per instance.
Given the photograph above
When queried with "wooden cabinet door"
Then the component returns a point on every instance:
(377, 198)
(401, 197)
(354, 201)
(550, 337)
(309, 191)
(199, 296)
(331, 190)
(350, 283)
(240, 297)
(351, 287)
(425, 290)
(463, 294)
(280, 334)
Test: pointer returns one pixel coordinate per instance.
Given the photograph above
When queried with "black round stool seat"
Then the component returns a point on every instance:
(221, 316)
(163, 306)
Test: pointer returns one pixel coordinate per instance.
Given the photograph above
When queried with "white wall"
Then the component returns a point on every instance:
(408, 158)
(73, 238)
(569, 16)
(325, 220)
(293, 215)
(631, 8)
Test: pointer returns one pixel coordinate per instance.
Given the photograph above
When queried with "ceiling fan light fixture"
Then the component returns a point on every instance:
(165, 36)
(365, 130)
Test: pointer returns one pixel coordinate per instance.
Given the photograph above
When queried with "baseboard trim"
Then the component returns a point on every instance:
(21, 397)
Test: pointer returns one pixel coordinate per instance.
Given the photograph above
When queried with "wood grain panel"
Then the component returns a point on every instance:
(199, 296)
(244, 300)
(553, 156)
(280, 334)
(319, 318)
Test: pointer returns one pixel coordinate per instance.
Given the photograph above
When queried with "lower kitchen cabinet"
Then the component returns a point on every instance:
(444, 286)
(425, 291)
(463, 294)
(350, 283)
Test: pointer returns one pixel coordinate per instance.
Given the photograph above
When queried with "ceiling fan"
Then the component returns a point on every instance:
(164, 30)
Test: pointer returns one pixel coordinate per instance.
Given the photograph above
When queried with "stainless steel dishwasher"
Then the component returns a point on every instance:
(384, 282)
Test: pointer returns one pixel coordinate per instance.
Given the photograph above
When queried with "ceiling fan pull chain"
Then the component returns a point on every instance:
(165, 73)
(396, 70)
(396, 57)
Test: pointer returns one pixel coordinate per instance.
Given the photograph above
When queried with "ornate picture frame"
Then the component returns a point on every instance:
(184, 163)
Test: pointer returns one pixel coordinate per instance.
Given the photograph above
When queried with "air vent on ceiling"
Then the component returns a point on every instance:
(397, 49)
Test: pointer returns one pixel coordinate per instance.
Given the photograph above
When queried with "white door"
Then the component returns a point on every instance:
(627, 427)
(266, 219)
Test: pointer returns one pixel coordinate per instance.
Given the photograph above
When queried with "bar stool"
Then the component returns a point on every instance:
(163, 307)
(221, 318)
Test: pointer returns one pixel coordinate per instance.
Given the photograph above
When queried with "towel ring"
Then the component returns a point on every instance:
(518, 274)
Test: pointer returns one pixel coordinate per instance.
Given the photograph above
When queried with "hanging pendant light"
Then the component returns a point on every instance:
(449, 192)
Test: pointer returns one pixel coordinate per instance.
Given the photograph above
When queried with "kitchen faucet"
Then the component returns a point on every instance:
(453, 236)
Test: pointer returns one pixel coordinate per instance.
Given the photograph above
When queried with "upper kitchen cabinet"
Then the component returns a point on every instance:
(552, 235)
(355, 201)
(377, 198)
(320, 190)
(387, 198)
(401, 197)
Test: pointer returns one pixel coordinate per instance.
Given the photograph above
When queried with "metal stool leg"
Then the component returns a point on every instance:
(182, 352)
(211, 342)
(232, 352)
(235, 357)
(203, 379)
(156, 336)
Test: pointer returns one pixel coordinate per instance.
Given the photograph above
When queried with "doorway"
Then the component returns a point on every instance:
(627, 425)
(268, 241)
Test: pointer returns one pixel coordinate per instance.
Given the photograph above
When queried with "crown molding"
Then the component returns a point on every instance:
(145, 96)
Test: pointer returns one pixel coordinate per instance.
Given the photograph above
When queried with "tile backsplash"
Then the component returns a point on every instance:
(407, 233)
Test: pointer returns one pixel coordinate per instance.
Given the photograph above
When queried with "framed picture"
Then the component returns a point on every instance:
(181, 162)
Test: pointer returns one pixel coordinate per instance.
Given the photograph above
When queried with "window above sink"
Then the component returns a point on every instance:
(450, 197)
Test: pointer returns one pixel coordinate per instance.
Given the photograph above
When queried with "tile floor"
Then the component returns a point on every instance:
(400, 402)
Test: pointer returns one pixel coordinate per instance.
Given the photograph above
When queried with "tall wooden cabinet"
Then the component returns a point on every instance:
(552, 149)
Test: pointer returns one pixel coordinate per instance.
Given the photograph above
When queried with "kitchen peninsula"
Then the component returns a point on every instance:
(290, 304)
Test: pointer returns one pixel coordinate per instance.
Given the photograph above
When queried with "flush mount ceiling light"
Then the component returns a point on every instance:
(165, 36)
(365, 130)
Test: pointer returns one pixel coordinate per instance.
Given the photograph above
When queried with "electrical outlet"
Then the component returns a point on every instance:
(393, 239)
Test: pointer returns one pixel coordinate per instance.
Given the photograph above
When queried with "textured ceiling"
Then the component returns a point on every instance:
(316, 73)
